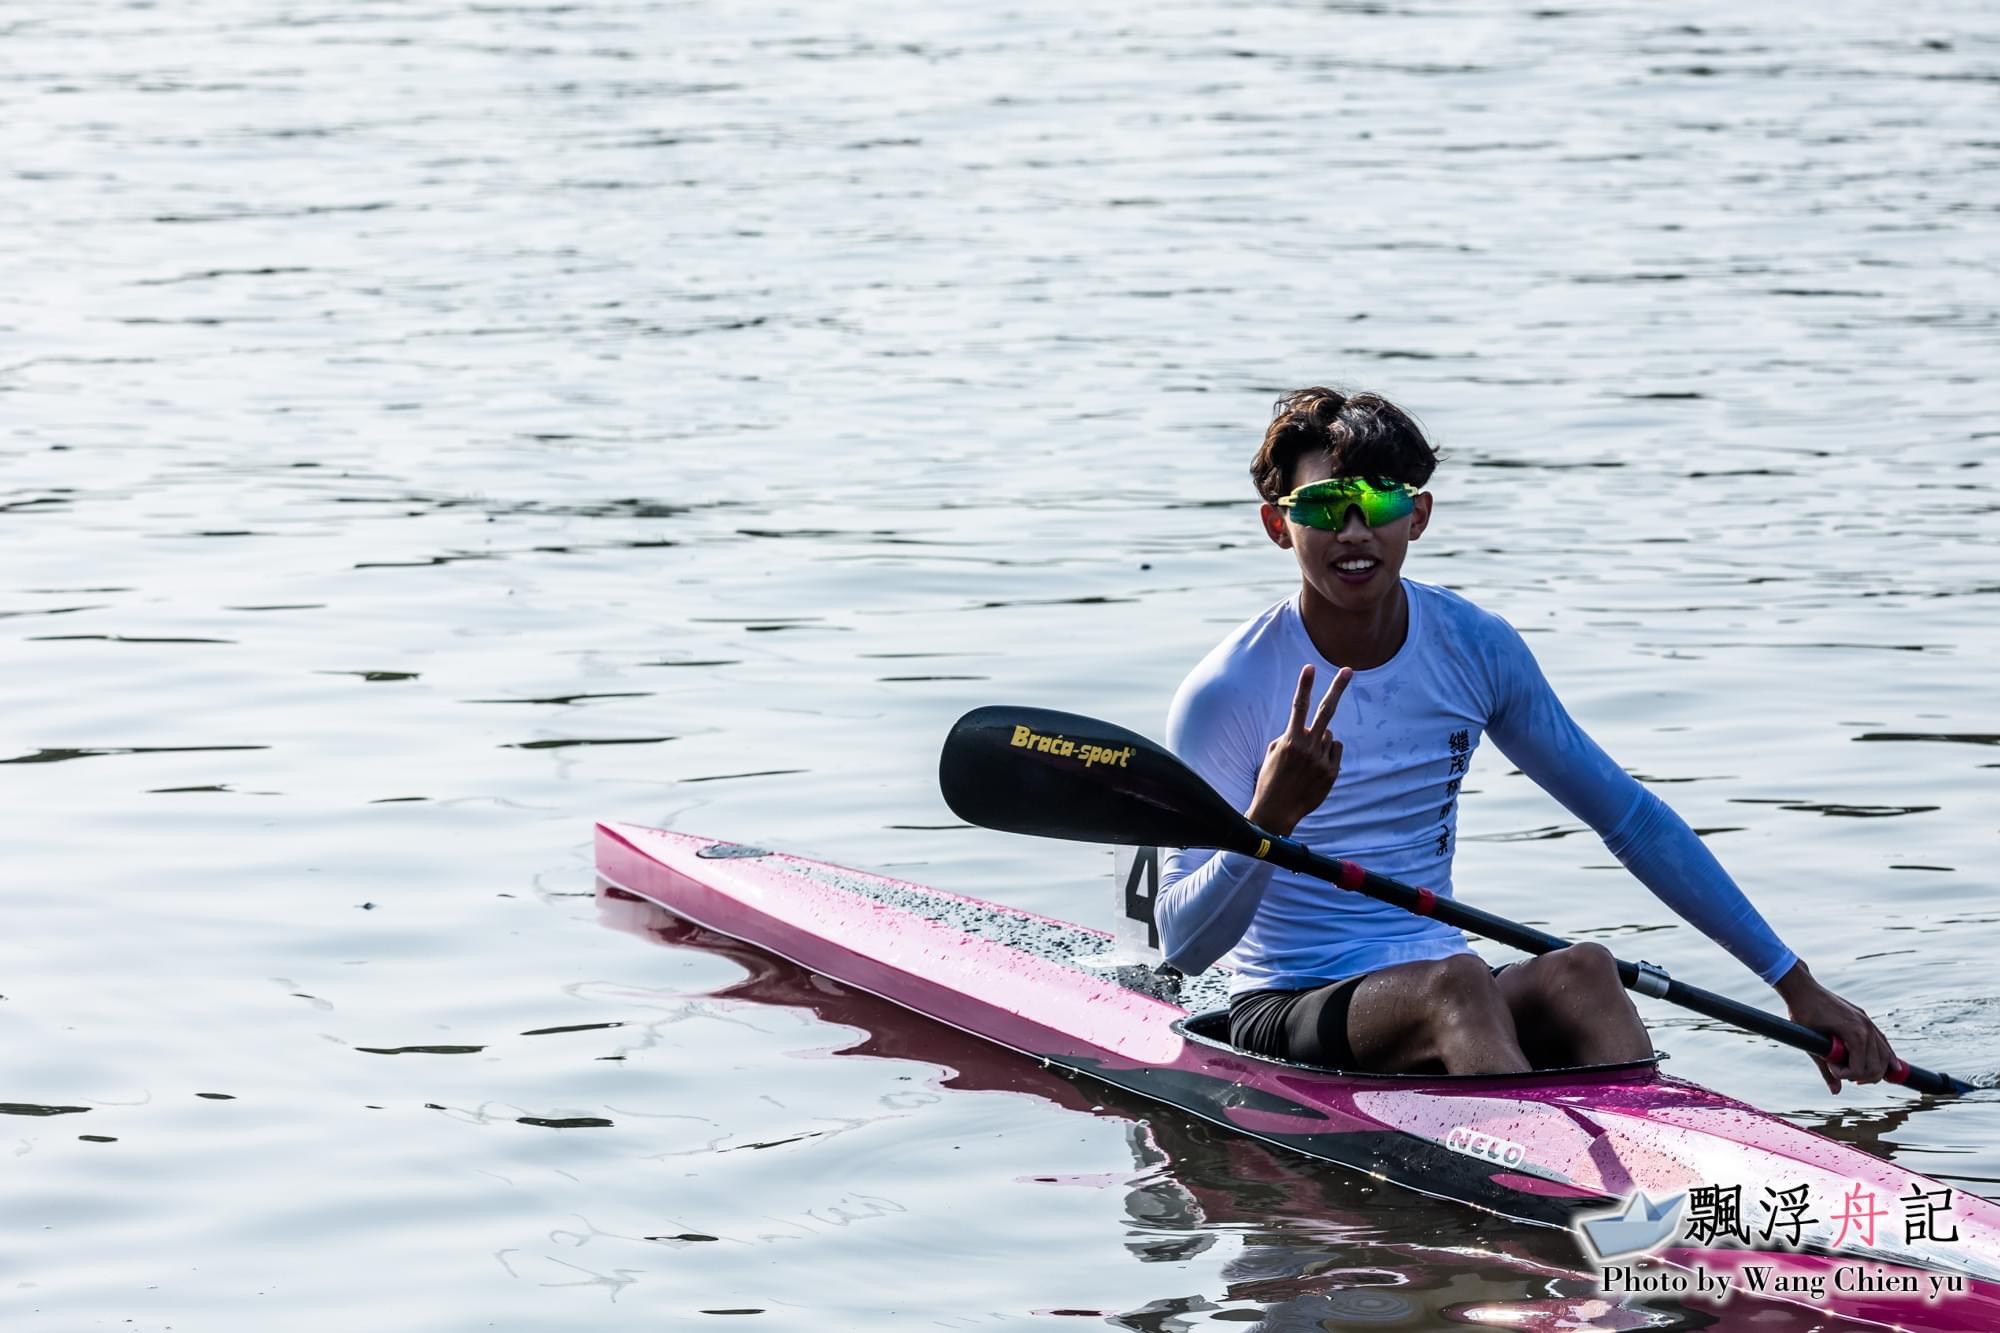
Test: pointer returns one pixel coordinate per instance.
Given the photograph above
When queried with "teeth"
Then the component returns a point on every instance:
(1354, 566)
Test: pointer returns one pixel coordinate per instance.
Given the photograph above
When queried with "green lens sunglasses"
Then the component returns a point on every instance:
(1324, 504)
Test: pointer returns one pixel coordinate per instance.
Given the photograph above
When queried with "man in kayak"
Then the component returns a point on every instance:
(1414, 675)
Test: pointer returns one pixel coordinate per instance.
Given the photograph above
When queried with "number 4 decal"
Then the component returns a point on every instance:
(1142, 889)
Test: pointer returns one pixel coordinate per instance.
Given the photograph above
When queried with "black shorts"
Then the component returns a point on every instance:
(1308, 1027)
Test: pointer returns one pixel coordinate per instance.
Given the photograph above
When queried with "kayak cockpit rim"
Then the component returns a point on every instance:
(1211, 1028)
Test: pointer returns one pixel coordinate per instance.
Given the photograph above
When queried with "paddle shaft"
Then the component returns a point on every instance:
(1062, 775)
(1347, 875)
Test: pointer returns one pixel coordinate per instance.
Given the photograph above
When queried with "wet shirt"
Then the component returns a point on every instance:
(1408, 729)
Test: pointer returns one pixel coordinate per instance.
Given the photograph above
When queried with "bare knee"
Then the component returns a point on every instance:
(1462, 981)
(1470, 1028)
(1579, 1000)
(1589, 966)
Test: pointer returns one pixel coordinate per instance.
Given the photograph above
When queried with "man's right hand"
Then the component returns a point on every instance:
(1301, 765)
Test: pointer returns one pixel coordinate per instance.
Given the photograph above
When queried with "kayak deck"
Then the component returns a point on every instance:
(1539, 1148)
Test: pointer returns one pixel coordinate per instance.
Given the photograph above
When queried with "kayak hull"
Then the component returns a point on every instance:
(1544, 1149)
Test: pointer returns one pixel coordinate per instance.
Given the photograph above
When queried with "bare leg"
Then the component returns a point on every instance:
(1570, 1009)
(1416, 1016)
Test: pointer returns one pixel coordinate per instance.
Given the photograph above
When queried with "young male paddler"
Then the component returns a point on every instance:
(1415, 675)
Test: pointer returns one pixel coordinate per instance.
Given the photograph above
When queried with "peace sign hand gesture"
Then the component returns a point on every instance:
(1300, 766)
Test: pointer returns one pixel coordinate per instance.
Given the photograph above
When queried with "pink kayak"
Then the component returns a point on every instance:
(1549, 1149)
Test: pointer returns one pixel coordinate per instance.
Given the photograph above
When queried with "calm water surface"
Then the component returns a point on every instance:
(429, 427)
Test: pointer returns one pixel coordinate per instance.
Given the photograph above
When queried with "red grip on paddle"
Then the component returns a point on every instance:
(1898, 1071)
(1426, 902)
(1350, 875)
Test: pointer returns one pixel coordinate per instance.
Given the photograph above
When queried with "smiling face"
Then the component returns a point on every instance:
(1358, 568)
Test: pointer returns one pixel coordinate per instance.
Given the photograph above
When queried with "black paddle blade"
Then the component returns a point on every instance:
(1061, 775)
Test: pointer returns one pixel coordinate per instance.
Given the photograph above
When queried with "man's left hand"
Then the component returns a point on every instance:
(1867, 1057)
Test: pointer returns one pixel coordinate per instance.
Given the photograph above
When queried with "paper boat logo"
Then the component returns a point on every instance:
(1639, 1226)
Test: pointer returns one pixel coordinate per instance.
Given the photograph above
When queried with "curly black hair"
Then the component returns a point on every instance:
(1365, 434)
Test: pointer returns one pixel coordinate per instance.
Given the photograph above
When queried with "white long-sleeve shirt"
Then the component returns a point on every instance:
(1408, 729)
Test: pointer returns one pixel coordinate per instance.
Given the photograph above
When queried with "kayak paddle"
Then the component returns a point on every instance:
(1062, 775)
